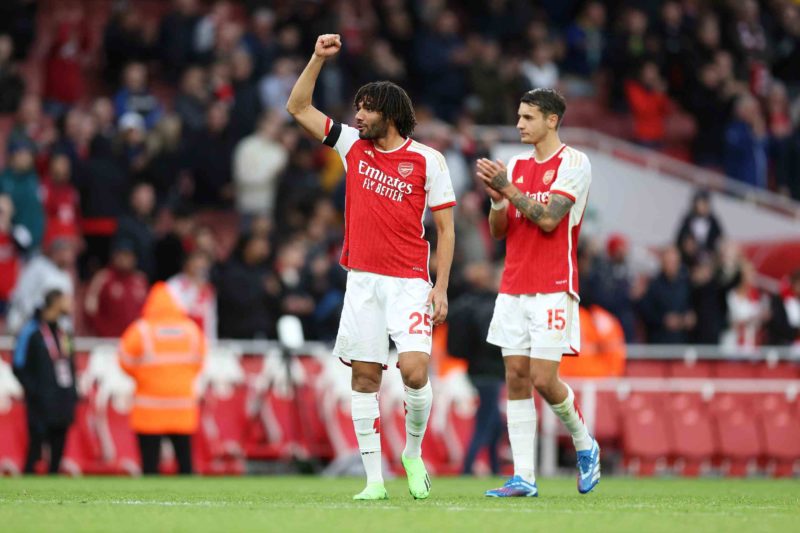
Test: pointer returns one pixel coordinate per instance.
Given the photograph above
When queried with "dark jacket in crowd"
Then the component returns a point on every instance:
(140, 235)
(706, 231)
(43, 363)
(665, 296)
(609, 286)
(245, 309)
(468, 325)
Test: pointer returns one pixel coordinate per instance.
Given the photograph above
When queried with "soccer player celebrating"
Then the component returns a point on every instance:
(538, 202)
(389, 180)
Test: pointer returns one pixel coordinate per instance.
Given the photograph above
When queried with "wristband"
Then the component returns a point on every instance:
(497, 206)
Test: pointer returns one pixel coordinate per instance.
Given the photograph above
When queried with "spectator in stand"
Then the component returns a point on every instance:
(298, 189)
(666, 306)
(131, 148)
(707, 41)
(649, 103)
(20, 182)
(212, 152)
(779, 126)
(248, 304)
(176, 37)
(610, 283)
(246, 102)
(193, 291)
(44, 272)
(135, 97)
(31, 125)
(257, 162)
(468, 324)
(10, 252)
(192, 101)
(700, 232)
(709, 105)
(136, 227)
(260, 40)
(540, 69)
(586, 41)
(746, 144)
(105, 120)
(275, 87)
(487, 84)
(167, 160)
(12, 85)
(44, 364)
(783, 327)
(747, 33)
(748, 309)
(116, 294)
(440, 56)
(18, 19)
(172, 248)
(64, 81)
(104, 188)
(61, 201)
(786, 49)
(127, 38)
(221, 82)
(710, 286)
(627, 50)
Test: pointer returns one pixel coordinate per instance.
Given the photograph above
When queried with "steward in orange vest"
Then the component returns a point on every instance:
(603, 347)
(163, 352)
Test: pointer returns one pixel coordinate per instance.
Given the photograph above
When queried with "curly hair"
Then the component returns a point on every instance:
(391, 101)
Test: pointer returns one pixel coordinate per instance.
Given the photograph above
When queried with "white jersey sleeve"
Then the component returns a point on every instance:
(574, 176)
(438, 184)
(340, 137)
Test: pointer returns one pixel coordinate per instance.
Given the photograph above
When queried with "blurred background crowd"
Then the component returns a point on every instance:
(149, 142)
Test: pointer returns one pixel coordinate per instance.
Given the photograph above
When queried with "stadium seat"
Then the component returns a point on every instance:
(740, 441)
(606, 420)
(645, 441)
(780, 370)
(693, 444)
(14, 443)
(781, 441)
(698, 369)
(646, 368)
(735, 369)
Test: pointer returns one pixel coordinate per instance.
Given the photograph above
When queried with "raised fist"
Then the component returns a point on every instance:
(328, 45)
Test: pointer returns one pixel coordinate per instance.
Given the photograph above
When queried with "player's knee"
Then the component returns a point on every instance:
(363, 382)
(415, 377)
(545, 385)
(517, 381)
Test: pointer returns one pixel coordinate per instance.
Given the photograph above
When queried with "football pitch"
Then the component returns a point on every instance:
(315, 504)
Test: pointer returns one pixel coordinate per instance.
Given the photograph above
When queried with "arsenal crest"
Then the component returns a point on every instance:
(405, 169)
(548, 176)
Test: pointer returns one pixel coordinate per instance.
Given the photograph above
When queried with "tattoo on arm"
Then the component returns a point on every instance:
(553, 212)
(499, 181)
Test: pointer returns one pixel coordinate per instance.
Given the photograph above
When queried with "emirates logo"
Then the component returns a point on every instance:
(548, 176)
(405, 169)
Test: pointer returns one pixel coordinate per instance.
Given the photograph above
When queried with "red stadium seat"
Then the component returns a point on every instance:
(736, 369)
(607, 418)
(698, 369)
(740, 442)
(646, 368)
(781, 441)
(14, 441)
(725, 402)
(645, 441)
(781, 370)
(693, 443)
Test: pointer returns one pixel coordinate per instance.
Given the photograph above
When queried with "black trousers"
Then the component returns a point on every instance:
(150, 448)
(488, 423)
(37, 436)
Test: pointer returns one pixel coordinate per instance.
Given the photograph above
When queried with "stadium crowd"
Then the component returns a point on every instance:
(142, 128)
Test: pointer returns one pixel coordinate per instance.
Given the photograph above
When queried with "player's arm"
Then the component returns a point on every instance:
(546, 216)
(498, 214)
(299, 104)
(445, 245)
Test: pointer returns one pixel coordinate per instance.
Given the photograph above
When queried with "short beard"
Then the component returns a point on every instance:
(376, 131)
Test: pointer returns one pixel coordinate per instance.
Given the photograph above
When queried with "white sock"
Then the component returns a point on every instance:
(569, 413)
(521, 415)
(418, 409)
(367, 422)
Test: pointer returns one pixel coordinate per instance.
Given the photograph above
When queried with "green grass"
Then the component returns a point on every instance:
(316, 504)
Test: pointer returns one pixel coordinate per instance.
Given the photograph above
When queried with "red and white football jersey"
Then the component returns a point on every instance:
(538, 261)
(385, 199)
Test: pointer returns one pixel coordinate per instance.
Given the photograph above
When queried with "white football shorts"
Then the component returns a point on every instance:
(377, 307)
(542, 326)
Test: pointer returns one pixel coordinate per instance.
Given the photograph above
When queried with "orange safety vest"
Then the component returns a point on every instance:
(602, 346)
(163, 352)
